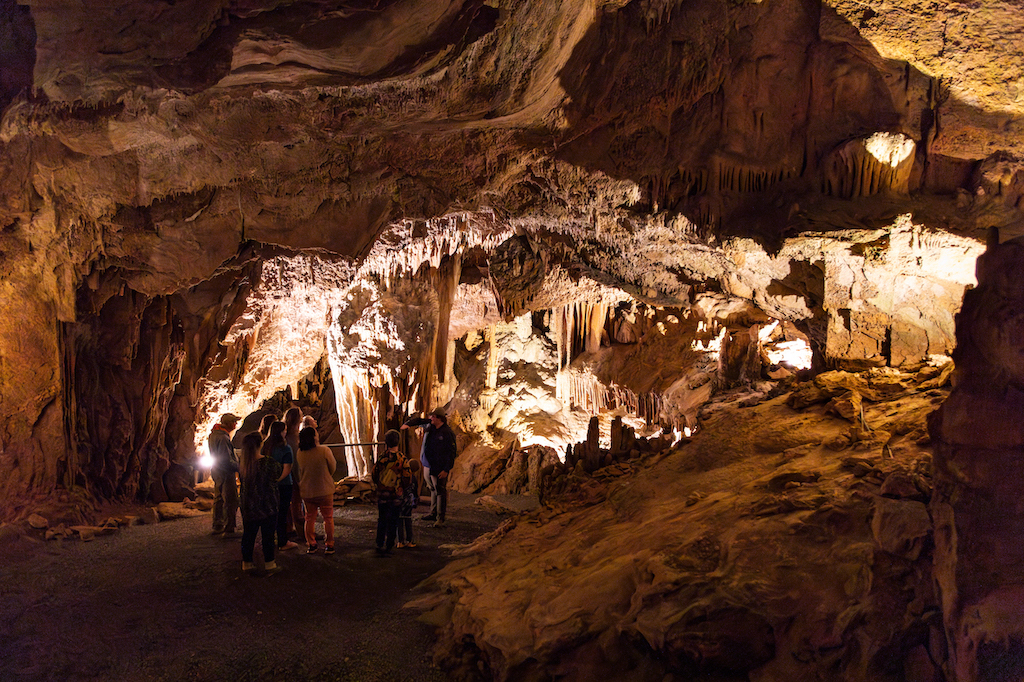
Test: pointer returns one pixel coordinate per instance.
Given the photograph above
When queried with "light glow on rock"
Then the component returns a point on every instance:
(892, 149)
(796, 353)
(713, 346)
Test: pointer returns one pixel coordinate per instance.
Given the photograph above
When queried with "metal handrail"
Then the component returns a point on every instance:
(351, 445)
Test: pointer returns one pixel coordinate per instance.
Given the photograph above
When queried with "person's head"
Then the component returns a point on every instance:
(307, 438)
(308, 421)
(250, 449)
(414, 465)
(274, 438)
(438, 417)
(292, 419)
(391, 439)
(265, 423)
(229, 421)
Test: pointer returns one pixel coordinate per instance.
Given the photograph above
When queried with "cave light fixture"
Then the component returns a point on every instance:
(205, 458)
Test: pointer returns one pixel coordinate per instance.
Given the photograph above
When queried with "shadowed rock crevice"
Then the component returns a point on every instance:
(17, 51)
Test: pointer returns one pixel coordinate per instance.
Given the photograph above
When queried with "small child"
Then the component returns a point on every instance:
(412, 498)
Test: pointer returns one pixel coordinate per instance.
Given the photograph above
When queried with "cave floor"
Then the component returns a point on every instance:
(169, 602)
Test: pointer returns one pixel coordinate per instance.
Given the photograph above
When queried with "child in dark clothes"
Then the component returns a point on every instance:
(412, 498)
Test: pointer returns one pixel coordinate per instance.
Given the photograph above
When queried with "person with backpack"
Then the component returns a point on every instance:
(258, 474)
(392, 477)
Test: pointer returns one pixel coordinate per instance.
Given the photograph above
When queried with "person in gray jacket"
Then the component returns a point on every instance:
(224, 473)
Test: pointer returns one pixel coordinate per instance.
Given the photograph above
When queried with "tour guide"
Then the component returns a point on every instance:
(225, 466)
(438, 457)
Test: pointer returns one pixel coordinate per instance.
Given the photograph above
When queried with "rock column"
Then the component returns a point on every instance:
(978, 505)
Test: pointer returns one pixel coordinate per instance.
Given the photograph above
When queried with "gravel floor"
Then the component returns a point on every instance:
(169, 602)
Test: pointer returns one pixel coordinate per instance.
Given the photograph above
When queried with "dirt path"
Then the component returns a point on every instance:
(169, 602)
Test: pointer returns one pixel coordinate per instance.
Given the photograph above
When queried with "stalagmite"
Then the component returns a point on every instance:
(491, 380)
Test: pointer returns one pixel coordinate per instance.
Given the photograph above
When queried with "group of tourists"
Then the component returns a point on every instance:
(287, 477)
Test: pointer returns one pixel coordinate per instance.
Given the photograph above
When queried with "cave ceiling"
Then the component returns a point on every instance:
(838, 163)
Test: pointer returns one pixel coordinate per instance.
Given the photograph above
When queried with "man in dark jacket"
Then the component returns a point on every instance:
(437, 458)
(223, 472)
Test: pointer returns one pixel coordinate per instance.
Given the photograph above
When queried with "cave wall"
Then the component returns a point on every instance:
(979, 444)
(662, 144)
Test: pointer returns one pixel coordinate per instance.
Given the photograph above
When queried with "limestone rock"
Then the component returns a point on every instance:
(38, 522)
(675, 582)
(847, 406)
(901, 485)
(177, 481)
(149, 515)
(491, 504)
(901, 527)
(175, 510)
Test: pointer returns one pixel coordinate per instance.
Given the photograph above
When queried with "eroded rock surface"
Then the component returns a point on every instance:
(976, 507)
(757, 550)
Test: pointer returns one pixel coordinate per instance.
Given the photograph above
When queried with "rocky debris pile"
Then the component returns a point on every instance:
(38, 525)
(58, 525)
(771, 545)
(354, 490)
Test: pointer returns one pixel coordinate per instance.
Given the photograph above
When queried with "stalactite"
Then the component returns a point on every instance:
(401, 251)
(597, 316)
(745, 179)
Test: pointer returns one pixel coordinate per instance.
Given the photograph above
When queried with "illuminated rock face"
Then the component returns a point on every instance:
(156, 160)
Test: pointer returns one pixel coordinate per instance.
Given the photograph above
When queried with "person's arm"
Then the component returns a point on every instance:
(285, 470)
(415, 422)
